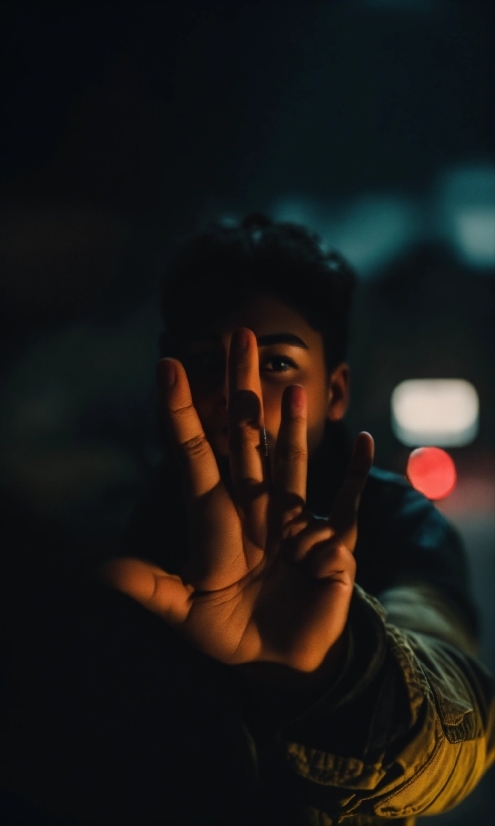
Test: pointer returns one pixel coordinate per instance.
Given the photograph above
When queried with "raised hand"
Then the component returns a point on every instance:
(265, 581)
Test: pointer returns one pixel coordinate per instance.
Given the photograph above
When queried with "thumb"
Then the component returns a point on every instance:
(164, 594)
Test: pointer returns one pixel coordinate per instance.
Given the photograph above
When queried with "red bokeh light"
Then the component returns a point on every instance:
(431, 471)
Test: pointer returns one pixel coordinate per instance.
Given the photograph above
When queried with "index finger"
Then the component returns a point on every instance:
(196, 458)
(343, 515)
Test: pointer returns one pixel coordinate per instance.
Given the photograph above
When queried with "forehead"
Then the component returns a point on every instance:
(265, 314)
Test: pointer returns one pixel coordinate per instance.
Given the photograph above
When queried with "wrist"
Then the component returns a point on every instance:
(291, 680)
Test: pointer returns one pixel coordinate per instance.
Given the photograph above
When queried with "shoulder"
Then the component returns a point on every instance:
(404, 537)
(384, 485)
(389, 500)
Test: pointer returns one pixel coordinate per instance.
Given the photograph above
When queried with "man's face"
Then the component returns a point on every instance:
(290, 352)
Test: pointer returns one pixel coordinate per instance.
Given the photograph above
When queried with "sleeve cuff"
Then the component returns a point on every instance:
(277, 709)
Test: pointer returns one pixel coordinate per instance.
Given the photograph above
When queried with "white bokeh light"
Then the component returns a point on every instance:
(441, 412)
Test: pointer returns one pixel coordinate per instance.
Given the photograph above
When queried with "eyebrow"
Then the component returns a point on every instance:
(282, 338)
(263, 341)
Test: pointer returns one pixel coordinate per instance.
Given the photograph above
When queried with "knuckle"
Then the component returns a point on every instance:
(244, 435)
(342, 555)
(250, 491)
(294, 527)
(320, 527)
(196, 446)
(296, 454)
(297, 421)
(183, 411)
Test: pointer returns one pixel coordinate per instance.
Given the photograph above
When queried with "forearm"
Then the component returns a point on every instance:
(416, 606)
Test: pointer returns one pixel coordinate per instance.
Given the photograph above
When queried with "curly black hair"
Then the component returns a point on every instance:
(216, 270)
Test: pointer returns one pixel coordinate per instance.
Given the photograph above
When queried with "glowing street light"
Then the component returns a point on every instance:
(441, 412)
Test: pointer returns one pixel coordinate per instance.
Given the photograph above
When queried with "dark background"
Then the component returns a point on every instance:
(127, 126)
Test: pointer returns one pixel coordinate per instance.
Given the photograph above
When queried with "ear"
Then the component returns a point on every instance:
(338, 392)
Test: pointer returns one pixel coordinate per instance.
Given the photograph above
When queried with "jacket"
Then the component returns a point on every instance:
(409, 727)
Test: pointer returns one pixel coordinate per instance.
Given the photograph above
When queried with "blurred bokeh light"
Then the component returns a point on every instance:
(435, 412)
(466, 213)
(432, 471)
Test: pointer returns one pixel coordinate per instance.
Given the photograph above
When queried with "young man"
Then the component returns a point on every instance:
(339, 640)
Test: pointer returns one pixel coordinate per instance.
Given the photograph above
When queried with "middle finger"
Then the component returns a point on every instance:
(245, 417)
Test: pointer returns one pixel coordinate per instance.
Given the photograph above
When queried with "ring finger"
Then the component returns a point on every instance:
(290, 468)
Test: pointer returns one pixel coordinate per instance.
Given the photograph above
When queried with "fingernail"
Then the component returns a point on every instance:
(241, 339)
(298, 401)
(167, 372)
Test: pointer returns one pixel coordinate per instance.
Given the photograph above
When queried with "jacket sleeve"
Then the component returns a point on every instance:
(410, 729)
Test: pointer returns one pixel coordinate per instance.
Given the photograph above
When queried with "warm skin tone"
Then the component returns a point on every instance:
(267, 587)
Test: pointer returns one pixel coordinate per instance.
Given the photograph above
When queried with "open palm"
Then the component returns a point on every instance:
(265, 581)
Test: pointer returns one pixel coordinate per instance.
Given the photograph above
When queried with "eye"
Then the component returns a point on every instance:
(277, 364)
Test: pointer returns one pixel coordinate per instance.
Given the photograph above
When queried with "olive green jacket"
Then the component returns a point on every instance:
(411, 734)
(409, 729)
